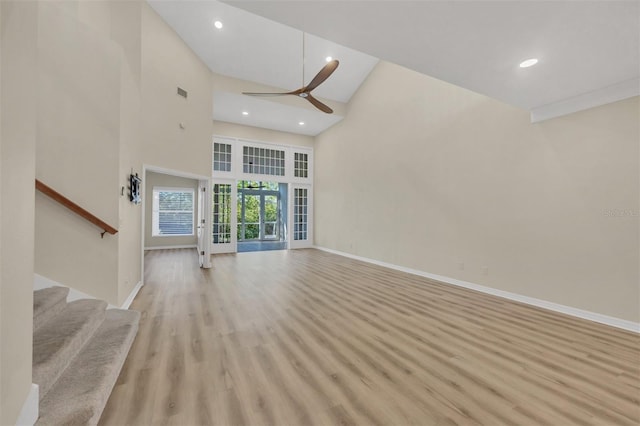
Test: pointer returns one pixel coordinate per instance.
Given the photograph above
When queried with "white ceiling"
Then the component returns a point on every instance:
(588, 51)
(583, 46)
(264, 113)
(252, 48)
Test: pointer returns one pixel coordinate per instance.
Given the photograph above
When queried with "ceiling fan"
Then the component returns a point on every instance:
(305, 91)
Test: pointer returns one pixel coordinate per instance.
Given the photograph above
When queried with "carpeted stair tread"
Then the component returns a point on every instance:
(81, 393)
(47, 303)
(56, 343)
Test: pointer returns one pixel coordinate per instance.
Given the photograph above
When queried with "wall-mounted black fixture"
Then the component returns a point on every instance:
(134, 188)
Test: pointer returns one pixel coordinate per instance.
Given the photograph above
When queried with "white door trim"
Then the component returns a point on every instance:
(204, 221)
(156, 169)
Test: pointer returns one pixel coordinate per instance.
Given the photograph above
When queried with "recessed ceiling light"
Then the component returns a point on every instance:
(328, 59)
(245, 112)
(218, 25)
(528, 63)
(301, 123)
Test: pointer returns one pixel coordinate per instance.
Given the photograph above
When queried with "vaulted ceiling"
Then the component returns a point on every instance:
(588, 52)
(265, 56)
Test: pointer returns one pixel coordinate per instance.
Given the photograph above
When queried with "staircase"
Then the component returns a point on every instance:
(78, 350)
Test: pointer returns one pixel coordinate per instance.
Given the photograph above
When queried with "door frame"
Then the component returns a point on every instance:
(261, 220)
(207, 209)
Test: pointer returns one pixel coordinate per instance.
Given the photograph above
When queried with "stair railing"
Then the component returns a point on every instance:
(55, 195)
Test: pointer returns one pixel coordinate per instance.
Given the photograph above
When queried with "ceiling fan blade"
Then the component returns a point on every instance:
(322, 107)
(324, 73)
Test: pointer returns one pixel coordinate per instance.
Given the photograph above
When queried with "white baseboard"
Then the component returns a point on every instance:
(40, 282)
(172, 247)
(132, 295)
(568, 310)
(30, 409)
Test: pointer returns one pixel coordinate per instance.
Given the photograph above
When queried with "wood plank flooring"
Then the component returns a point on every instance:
(305, 337)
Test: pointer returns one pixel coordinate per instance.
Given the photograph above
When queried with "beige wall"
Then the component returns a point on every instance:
(127, 32)
(78, 144)
(166, 65)
(167, 181)
(440, 176)
(156, 61)
(107, 82)
(18, 22)
(221, 128)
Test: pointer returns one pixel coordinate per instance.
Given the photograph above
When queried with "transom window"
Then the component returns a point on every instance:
(263, 161)
(222, 157)
(173, 212)
(301, 165)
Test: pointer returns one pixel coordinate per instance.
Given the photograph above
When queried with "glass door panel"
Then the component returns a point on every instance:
(221, 213)
(301, 211)
(249, 216)
(259, 211)
(222, 209)
(271, 214)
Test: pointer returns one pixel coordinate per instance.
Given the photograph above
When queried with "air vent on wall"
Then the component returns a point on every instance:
(182, 92)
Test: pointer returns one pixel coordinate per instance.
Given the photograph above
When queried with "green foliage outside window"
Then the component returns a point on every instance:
(252, 209)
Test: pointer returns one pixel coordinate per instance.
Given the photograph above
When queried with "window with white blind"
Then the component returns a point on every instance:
(173, 212)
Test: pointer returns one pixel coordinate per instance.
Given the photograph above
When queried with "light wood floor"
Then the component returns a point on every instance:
(309, 338)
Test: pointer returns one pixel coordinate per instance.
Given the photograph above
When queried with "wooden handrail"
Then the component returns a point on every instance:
(55, 195)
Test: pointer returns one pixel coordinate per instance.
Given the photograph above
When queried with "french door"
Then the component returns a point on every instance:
(258, 215)
(268, 214)
(301, 210)
(224, 239)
